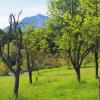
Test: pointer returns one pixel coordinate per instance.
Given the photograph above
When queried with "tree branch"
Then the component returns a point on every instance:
(85, 54)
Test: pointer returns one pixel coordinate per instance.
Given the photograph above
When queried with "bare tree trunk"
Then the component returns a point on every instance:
(28, 66)
(17, 74)
(76, 67)
(19, 62)
(16, 87)
(30, 76)
(78, 74)
(96, 59)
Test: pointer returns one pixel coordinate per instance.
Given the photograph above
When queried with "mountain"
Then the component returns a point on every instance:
(38, 21)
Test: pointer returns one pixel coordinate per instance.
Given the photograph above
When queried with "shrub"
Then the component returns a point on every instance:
(3, 69)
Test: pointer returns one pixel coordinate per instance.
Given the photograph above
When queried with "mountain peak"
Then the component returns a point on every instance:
(38, 20)
(39, 14)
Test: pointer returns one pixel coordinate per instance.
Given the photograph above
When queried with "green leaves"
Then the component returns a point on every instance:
(36, 40)
(79, 27)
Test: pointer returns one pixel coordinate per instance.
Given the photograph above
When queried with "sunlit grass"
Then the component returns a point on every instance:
(53, 84)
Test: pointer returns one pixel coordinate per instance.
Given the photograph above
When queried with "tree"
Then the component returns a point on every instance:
(29, 58)
(15, 29)
(77, 29)
(34, 43)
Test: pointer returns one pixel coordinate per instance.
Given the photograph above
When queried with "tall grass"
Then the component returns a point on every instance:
(52, 84)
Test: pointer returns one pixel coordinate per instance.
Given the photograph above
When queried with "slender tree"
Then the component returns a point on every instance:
(16, 30)
(34, 42)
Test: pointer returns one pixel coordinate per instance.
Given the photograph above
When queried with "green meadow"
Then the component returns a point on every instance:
(52, 84)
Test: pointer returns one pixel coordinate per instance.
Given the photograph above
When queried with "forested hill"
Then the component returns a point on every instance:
(38, 21)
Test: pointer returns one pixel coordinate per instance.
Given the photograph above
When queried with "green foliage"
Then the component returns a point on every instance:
(79, 28)
(12, 53)
(36, 40)
(82, 24)
(28, 28)
(36, 44)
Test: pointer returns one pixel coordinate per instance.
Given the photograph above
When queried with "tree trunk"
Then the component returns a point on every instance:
(28, 66)
(18, 62)
(98, 88)
(16, 87)
(30, 76)
(78, 73)
(96, 59)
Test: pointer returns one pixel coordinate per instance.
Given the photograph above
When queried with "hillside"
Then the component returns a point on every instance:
(52, 84)
(38, 20)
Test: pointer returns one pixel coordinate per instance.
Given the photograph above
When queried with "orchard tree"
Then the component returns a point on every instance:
(77, 29)
(93, 10)
(34, 43)
(29, 57)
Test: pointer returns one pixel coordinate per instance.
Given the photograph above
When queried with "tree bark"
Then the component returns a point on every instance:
(18, 62)
(96, 59)
(16, 87)
(17, 74)
(28, 66)
(78, 73)
(30, 76)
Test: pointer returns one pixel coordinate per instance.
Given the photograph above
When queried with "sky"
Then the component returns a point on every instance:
(29, 8)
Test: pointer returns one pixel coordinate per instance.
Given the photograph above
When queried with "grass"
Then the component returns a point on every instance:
(53, 84)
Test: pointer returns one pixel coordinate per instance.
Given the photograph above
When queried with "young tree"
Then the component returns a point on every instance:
(29, 59)
(14, 29)
(34, 43)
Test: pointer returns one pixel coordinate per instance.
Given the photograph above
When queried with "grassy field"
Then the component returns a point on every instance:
(53, 84)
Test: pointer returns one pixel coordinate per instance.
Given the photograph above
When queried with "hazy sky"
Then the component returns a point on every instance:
(29, 7)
